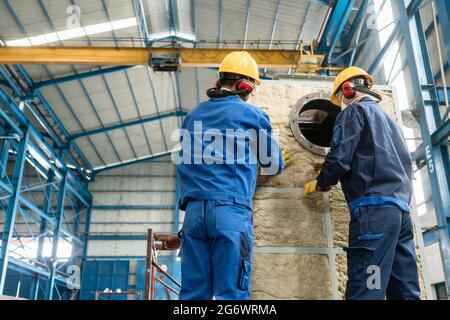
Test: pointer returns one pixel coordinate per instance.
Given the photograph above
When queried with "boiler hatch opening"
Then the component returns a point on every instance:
(312, 122)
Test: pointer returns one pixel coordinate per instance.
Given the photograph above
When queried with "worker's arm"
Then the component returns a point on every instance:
(270, 155)
(346, 137)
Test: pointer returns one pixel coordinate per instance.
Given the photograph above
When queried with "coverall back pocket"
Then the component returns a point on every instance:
(232, 217)
(193, 215)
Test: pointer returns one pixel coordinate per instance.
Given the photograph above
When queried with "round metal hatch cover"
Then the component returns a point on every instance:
(312, 122)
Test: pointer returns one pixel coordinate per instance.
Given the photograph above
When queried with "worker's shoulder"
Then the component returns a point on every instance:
(237, 108)
(197, 110)
(255, 111)
(363, 106)
(352, 110)
(371, 108)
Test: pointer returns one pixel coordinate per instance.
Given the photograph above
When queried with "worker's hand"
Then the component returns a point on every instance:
(310, 187)
(318, 167)
(285, 155)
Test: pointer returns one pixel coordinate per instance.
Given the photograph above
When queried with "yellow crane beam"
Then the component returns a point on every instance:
(74, 55)
(188, 57)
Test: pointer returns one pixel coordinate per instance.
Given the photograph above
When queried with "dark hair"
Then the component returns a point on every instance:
(230, 79)
(227, 82)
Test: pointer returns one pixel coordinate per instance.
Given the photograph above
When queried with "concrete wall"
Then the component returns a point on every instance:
(129, 201)
(298, 241)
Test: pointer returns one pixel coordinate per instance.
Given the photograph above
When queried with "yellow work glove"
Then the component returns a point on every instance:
(310, 187)
(285, 155)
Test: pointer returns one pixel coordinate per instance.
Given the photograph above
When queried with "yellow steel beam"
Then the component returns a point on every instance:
(189, 57)
(74, 55)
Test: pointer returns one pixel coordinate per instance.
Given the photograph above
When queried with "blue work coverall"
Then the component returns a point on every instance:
(217, 233)
(370, 157)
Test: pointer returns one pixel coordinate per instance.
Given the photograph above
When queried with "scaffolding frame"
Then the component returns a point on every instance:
(167, 242)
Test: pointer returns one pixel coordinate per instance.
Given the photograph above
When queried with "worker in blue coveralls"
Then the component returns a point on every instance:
(370, 158)
(223, 141)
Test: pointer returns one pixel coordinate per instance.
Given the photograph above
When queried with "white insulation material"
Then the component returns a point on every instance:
(299, 240)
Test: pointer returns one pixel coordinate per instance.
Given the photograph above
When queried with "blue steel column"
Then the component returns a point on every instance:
(76, 229)
(4, 154)
(87, 227)
(56, 238)
(335, 27)
(10, 218)
(434, 153)
(43, 228)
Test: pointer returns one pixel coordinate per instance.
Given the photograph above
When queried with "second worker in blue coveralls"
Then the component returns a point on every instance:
(370, 158)
(217, 183)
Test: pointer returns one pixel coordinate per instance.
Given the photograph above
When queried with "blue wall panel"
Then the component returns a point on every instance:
(101, 275)
(12, 283)
(140, 277)
(27, 288)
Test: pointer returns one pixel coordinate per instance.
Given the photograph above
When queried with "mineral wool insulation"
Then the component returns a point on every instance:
(299, 241)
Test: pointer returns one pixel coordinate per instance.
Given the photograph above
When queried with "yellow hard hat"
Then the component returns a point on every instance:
(346, 75)
(240, 62)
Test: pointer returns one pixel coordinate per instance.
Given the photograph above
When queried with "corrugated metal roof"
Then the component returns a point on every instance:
(136, 93)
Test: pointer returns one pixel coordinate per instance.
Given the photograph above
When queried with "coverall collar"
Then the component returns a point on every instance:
(229, 98)
(366, 98)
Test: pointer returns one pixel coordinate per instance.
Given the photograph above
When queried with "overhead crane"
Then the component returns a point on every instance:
(161, 59)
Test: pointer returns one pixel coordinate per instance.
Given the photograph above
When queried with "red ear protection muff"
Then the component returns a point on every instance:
(348, 90)
(245, 86)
